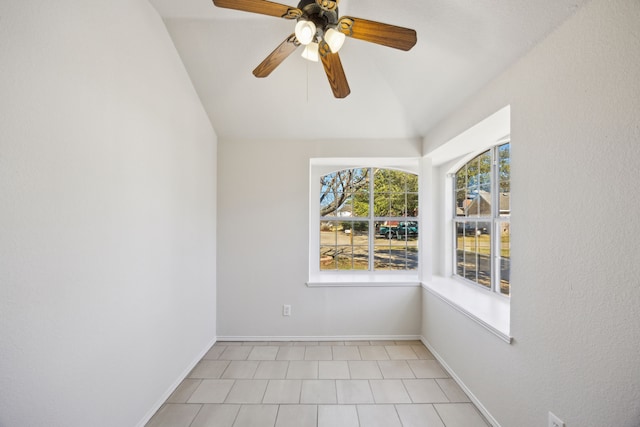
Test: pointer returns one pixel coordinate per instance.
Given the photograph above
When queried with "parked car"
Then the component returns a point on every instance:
(404, 229)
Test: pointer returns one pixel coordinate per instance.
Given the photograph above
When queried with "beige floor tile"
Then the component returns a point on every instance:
(422, 352)
(235, 352)
(331, 343)
(427, 369)
(346, 352)
(395, 369)
(400, 352)
(419, 416)
(452, 390)
(373, 352)
(337, 416)
(271, 370)
(297, 416)
(256, 343)
(378, 416)
(318, 352)
(318, 392)
(291, 353)
(383, 342)
(304, 343)
(425, 391)
(359, 343)
(333, 370)
(241, 369)
(364, 370)
(389, 391)
(215, 352)
(283, 392)
(302, 369)
(184, 391)
(247, 391)
(216, 416)
(174, 415)
(263, 353)
(257, 416)
(211, 391)
(209, 369)
(460, 415)
(353, 391)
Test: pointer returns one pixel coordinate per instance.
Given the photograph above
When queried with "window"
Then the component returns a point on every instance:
(481, 219)
(364, 227)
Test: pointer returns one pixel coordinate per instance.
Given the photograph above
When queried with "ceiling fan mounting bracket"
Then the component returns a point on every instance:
(323, 18)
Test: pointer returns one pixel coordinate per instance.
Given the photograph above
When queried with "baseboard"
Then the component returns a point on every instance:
(462, 385)
(321, 338)
(175, 385)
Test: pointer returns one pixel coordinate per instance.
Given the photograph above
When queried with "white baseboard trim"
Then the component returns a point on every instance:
(462, 385)
(321, 338)
(175, 385)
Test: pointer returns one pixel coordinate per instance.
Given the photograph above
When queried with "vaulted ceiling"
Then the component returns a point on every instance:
(462, 45)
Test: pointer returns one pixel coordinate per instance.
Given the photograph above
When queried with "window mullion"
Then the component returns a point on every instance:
(495, 211)
(372, 230)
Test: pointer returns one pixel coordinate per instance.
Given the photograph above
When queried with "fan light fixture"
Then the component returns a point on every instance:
(310, 52)
(305, 31)
(335, 39)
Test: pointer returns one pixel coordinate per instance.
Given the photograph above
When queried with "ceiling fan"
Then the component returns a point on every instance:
(322, 32)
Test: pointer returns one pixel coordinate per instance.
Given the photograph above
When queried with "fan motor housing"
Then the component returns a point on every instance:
(322, 19)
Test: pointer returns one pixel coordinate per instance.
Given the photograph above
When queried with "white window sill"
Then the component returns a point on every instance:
(485, 308)
(362, 280)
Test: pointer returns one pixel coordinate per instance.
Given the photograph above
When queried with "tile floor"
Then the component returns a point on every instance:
(318, 384)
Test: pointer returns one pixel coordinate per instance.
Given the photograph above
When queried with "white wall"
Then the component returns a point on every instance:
(575, 105)
(107, 218)
(263, 247)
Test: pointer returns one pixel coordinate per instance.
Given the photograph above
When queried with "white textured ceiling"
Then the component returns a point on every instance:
(462, 44)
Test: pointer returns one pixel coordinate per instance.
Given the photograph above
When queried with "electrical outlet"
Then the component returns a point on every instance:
(286, 310)
(555, 421)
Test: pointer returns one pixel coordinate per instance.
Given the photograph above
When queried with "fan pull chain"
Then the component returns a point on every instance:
(307, 81)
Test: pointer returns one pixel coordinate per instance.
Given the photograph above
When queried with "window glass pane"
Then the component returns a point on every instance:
(412, 205)
(505, 258)
(461, 197)
(470, 251)
(483, 236)
(473, 205)
(360, 201)
(344, 245)
(459, 248)
(407, 230)
(396, 245)
(397, 204)
(338, 188)
(504, 176)
(461, 179)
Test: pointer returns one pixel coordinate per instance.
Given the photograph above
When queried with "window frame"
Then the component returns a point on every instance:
(494, 219)
(317, 277)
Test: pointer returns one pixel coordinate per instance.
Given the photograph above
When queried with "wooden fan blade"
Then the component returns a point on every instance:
(335, 74)
(276, 57)
(263, 7)
(377, 32)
